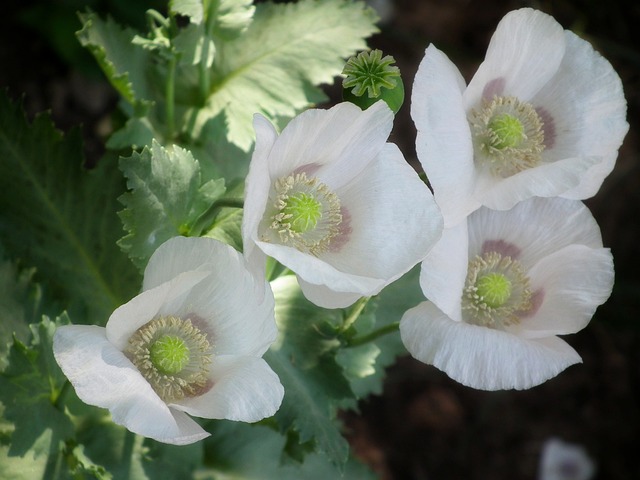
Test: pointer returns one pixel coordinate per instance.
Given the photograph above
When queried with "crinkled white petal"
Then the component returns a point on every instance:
(257, 187)
(244, 389)
(524, 53)
(565, 461)
(326, 297)
(104, 377)
(239, 317)
(392, 217)
(481, 357)
(584, 104)
(443, 272)
(443, 143)
(318, 272)
(340, 141)
(575, 281)
(128, 318)
(236, 306)
(184, 254)
(545, 180)
(536, 227)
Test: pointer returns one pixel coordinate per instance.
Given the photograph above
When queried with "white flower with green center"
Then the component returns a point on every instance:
(332, 201)
(543, 116)
(190, 344)
(501, 286)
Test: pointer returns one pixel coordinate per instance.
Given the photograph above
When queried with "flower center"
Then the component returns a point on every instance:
(169, 354)
(496, 291)
(307, 214)
(508, 135)
(173, 355)
(303, 212)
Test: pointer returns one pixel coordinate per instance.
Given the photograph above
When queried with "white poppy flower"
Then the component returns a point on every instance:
(501, 286)
(543, 116)
(335, 203)
(565, 461)
(190, 343)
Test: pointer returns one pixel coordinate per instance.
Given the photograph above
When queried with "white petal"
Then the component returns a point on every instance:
(524, 53)
(480, 357)
(341, 140)
(236, 306)
(244, 389)
(257, 187)
(325, 297)
(444, 271)
(536, 227)
(183, 254)
(393, 220)
(104, 377)
(546, 180)
(443, 142)
(587, 109)
(128, 318)
(560, 458)
(318, 272)
(575, 280)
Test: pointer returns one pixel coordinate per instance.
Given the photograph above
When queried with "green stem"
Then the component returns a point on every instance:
(355, 312)
(207, 217)
(370, 337)
(127, 451)
(170, 96)
(59, 399)
(205, 71)
(275, 269)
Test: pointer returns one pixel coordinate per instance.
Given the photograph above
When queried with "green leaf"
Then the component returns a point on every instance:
(60, 218)
(365, 364)
(80, 465)
(29, 389)
(125, 64)
(238, 451)
(166, 198)
(224, 18)
(303, 358)
(274, 65)
(26, 467)
(19, 299)
(226, 225)
(130, 456)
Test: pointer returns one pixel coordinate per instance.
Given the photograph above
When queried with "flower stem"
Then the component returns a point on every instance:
(205, 71)
(59, 398)
(275, 269)
(170, 96)
(207, 217)
(370, 337)
(355, 312)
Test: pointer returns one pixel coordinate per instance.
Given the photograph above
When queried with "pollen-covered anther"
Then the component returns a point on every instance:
(496, 291)
(307, 213)
(173, 355)
(508, 135)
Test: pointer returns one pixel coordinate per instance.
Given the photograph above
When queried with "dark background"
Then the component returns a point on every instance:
(425, 426)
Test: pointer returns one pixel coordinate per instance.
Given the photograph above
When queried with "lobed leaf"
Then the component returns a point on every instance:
(125, 64)
(60, 218)
(252, 452)
(273, 67)
(166, 198)
(303, 358)
(29, 389)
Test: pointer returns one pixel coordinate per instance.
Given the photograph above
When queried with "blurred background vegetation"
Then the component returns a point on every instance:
(424, 426)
